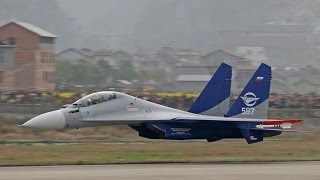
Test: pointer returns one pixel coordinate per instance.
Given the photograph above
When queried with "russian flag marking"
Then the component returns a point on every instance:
(259, 79)
(132, 109)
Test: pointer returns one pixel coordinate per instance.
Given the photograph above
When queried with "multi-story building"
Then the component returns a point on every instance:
(33, 63)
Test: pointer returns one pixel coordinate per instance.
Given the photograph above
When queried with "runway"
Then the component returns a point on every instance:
(283, 171)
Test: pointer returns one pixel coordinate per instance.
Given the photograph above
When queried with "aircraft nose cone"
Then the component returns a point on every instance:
(49, 120)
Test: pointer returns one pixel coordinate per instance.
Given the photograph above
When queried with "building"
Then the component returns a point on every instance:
(254, 54)
(308, 85)
(33, 64)
(6, 66)
(105, 55)
(113, 58)
(296, 80)
(194, 76)
(276, 45)
(76, 55)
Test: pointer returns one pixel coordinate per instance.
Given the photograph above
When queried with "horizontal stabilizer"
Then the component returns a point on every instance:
(279, 130)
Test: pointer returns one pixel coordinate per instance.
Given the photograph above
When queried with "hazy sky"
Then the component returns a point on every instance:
(149, 24)
(143, 24)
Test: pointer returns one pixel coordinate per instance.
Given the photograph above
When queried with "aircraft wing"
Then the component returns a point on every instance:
(237, 120)
(253, 130)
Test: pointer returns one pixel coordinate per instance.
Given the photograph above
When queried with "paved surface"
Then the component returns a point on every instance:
(283, 171)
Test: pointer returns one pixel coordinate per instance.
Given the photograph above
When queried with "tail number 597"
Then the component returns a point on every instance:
(247, 111)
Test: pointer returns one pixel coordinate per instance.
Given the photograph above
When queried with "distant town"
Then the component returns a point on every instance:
(29, 61)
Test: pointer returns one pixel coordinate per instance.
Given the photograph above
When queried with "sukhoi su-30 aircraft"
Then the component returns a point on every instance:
(208, 118)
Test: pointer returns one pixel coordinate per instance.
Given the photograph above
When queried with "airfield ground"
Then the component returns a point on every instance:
(246, 171)
(282, 149)
(106, 145)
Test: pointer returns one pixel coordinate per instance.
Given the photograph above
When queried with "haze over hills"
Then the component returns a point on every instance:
(144, 25)
(193, 24)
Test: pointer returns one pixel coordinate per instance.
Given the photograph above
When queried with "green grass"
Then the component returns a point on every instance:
(160, 151)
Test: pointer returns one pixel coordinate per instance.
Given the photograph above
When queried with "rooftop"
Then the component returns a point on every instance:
(34, 29)
(193, 78)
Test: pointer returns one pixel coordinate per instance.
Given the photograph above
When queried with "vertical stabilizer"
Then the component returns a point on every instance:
(253, 101)
(214, 99)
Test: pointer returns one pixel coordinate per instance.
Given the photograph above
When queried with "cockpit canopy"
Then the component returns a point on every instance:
(96, 98)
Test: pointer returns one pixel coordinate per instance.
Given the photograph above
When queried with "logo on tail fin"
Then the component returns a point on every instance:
(252, 138)
(250, 99)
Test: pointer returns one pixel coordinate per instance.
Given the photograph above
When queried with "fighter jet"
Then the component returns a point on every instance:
(246, 118)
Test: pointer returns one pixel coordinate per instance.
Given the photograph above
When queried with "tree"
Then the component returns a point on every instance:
(126, 71)
(84, 73)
